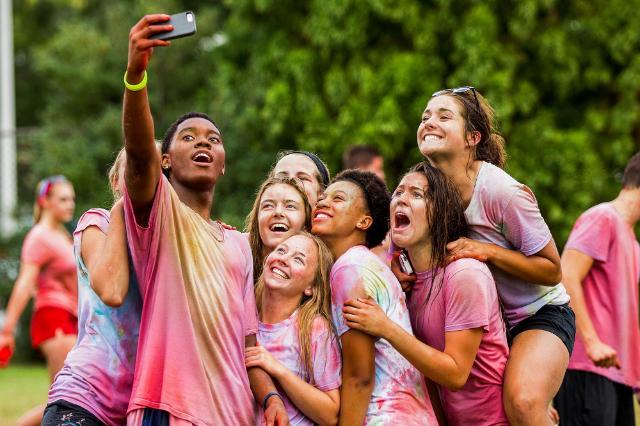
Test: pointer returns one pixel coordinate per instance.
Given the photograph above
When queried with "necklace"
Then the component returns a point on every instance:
(219, 238)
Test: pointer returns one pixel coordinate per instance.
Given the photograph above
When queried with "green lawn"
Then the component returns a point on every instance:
(24, 386)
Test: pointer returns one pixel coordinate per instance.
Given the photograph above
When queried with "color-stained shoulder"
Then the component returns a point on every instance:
(94, 217)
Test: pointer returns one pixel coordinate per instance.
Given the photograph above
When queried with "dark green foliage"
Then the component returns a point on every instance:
(564, 79)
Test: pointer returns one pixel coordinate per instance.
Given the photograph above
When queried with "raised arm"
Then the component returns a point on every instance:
(107, 259)
(142, 170)
(23, 290)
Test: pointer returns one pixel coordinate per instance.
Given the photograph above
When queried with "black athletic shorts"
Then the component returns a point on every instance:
(63, 413)
(589, 399)
(556, 319)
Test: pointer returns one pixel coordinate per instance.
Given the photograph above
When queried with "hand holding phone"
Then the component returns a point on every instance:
(405, 263)
(184, 24)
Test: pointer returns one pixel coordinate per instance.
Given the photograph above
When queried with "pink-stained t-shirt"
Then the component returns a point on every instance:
(463, 296)
(98, 371)
(610, 291)
(53, 252)
(196, 282)
(282, 341)
(399, 394)
(504, 212)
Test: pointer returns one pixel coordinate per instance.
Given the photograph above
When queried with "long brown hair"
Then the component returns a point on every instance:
(311, 307)
(445, 216)
(479, 117)
(251, 222)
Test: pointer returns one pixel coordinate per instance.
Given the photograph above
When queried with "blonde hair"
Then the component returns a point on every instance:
(114, 174)
(311, 307)
(251, 222)
(116, 170)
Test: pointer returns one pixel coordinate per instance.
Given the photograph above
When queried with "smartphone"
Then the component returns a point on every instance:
(405, 264)
(184, 24)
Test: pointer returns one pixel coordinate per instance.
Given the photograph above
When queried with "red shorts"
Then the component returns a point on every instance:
(46, 322)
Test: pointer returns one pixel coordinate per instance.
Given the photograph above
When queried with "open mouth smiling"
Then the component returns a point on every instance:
(432, 138)
(202, 157)
(279, 273)
(279, 227)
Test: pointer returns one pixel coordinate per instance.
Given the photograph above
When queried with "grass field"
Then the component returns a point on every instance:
(24, 386)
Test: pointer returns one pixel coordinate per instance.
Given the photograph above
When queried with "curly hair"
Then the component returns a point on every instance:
(377, 200)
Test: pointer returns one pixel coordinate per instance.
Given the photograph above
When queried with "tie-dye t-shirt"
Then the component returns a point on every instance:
(98, 372)
(610, 291)
(281, 340)
(504, 212)
(399, 394)
(53, 252)
(196, 283)
(461, 297)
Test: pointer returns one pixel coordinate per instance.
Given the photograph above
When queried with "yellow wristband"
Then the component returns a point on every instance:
(136, 87)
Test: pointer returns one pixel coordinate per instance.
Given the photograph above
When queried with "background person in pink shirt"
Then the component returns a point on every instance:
(460, 341)
(280, 210)
(195, 276)
(47, 269)
(601, 266)
(457, 135)
(297, 344)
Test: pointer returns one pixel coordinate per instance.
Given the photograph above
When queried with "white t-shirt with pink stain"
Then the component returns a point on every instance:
(399, 394)
(504, 212)
(281, 340)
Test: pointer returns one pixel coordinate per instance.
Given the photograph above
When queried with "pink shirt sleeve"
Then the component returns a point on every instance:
(94, 217)
(467, 300)
(523, 225)
(349, 282)
(35, 249)
(591, 235)
(327, 361)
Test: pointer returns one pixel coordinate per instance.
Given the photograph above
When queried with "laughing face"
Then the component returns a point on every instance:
(290, 268)
(409, 224)
(280, 215)
(441, 133)
(196, 156)
(340, 209)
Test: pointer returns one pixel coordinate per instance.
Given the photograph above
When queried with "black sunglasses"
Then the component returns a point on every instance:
(458, 90)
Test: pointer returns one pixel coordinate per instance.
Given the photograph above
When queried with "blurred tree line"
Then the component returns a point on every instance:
(564, 78)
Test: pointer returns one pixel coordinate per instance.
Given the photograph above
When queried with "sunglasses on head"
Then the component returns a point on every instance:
(459, 90)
